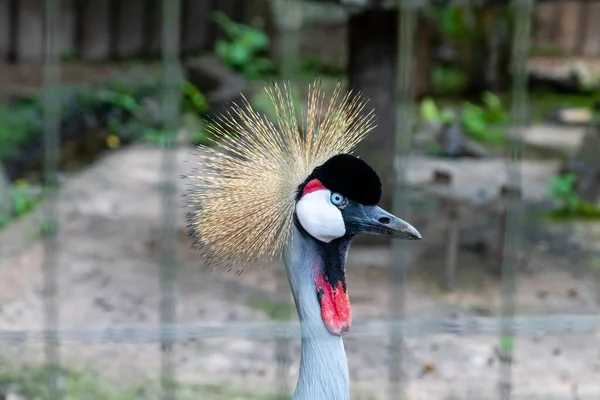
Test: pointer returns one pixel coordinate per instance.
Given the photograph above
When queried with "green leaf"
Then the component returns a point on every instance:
(21, 202)
(448, 80)
(429, 110)
(506, 343)
(239, 54)
(4, 220)
(259, 67)
(222, 49)
(199, 136)
(473, 120)
(563, 186)
(492, 101)
(243, 44)
(255, 39)
(195, 97)
(222, 20)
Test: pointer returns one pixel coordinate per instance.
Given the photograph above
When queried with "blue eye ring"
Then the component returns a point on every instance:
(337, 199)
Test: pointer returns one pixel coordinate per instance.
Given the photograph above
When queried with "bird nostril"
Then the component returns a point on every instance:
(384, 220)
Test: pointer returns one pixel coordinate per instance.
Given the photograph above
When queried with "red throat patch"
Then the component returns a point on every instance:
(335, 306)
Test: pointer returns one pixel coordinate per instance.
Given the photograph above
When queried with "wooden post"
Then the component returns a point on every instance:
(30, 33)
(13, 30)
(506, 196)
(452, 247)
(67, 28)
(130, 41)
(422, 62)
(546, 15)
(568, 27)
(4, 29)
(195, 25)
(152, 28)
(591, 45)
(453, 210)
(94, 41)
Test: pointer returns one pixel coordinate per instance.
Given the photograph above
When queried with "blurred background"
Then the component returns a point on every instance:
(488, 141)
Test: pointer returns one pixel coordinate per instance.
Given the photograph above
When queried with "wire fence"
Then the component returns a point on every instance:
(168, 332)
(106, 30)
(469, 326)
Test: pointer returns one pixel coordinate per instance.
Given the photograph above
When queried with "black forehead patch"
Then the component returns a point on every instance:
(350, 176)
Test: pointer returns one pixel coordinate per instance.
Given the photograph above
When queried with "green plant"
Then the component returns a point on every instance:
(477, 123)
(432, 113)
(448, 80)
(454, 22)
(18, 126)
(22, 200)
(193, 99)
(243, 48)
(21, 123)
(562, 188)
(121, 104)
(142, 121)
(128, 108)
(31, 382)
(480, 122)
(479, 36)
(196, 128)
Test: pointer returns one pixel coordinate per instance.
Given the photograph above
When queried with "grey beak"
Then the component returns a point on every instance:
(374, 220)
(400, 229)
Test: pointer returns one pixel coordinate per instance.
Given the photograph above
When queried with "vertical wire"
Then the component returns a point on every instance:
(520, 51)
(51, 111)
(291, 13)
(406, 34)
(169, 265)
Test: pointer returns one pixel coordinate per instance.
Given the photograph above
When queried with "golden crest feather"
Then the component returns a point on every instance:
(242, 198)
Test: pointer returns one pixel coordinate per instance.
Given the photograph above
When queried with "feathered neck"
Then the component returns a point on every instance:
(323, 365)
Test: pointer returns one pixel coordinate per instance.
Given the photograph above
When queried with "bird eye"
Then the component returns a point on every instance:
(337, 199)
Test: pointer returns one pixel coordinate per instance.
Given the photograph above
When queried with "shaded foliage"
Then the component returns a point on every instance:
(480, 122)
(571, 205)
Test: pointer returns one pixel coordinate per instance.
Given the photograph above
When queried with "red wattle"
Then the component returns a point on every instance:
(313, 186)
(335, 306)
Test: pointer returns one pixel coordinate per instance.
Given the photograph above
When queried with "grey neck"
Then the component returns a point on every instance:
(323, 364)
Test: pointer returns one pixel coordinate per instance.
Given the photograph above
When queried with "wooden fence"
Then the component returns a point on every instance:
(107, 29)
(569, 28)
(120, 29)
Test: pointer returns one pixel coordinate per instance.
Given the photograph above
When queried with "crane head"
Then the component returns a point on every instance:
(260, 176)
(337, 201)
(340, 199)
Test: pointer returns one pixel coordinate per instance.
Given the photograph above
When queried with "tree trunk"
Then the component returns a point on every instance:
(422, 68)
(478, 57)
(372, 70)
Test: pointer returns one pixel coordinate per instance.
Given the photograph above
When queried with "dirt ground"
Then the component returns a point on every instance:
(108, 276)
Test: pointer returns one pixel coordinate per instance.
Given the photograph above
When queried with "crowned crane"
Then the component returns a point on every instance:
(294, 189)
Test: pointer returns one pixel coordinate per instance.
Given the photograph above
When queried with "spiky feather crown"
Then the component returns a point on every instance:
(242, 198)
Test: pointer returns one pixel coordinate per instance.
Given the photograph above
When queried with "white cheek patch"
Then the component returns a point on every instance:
(321, 219)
